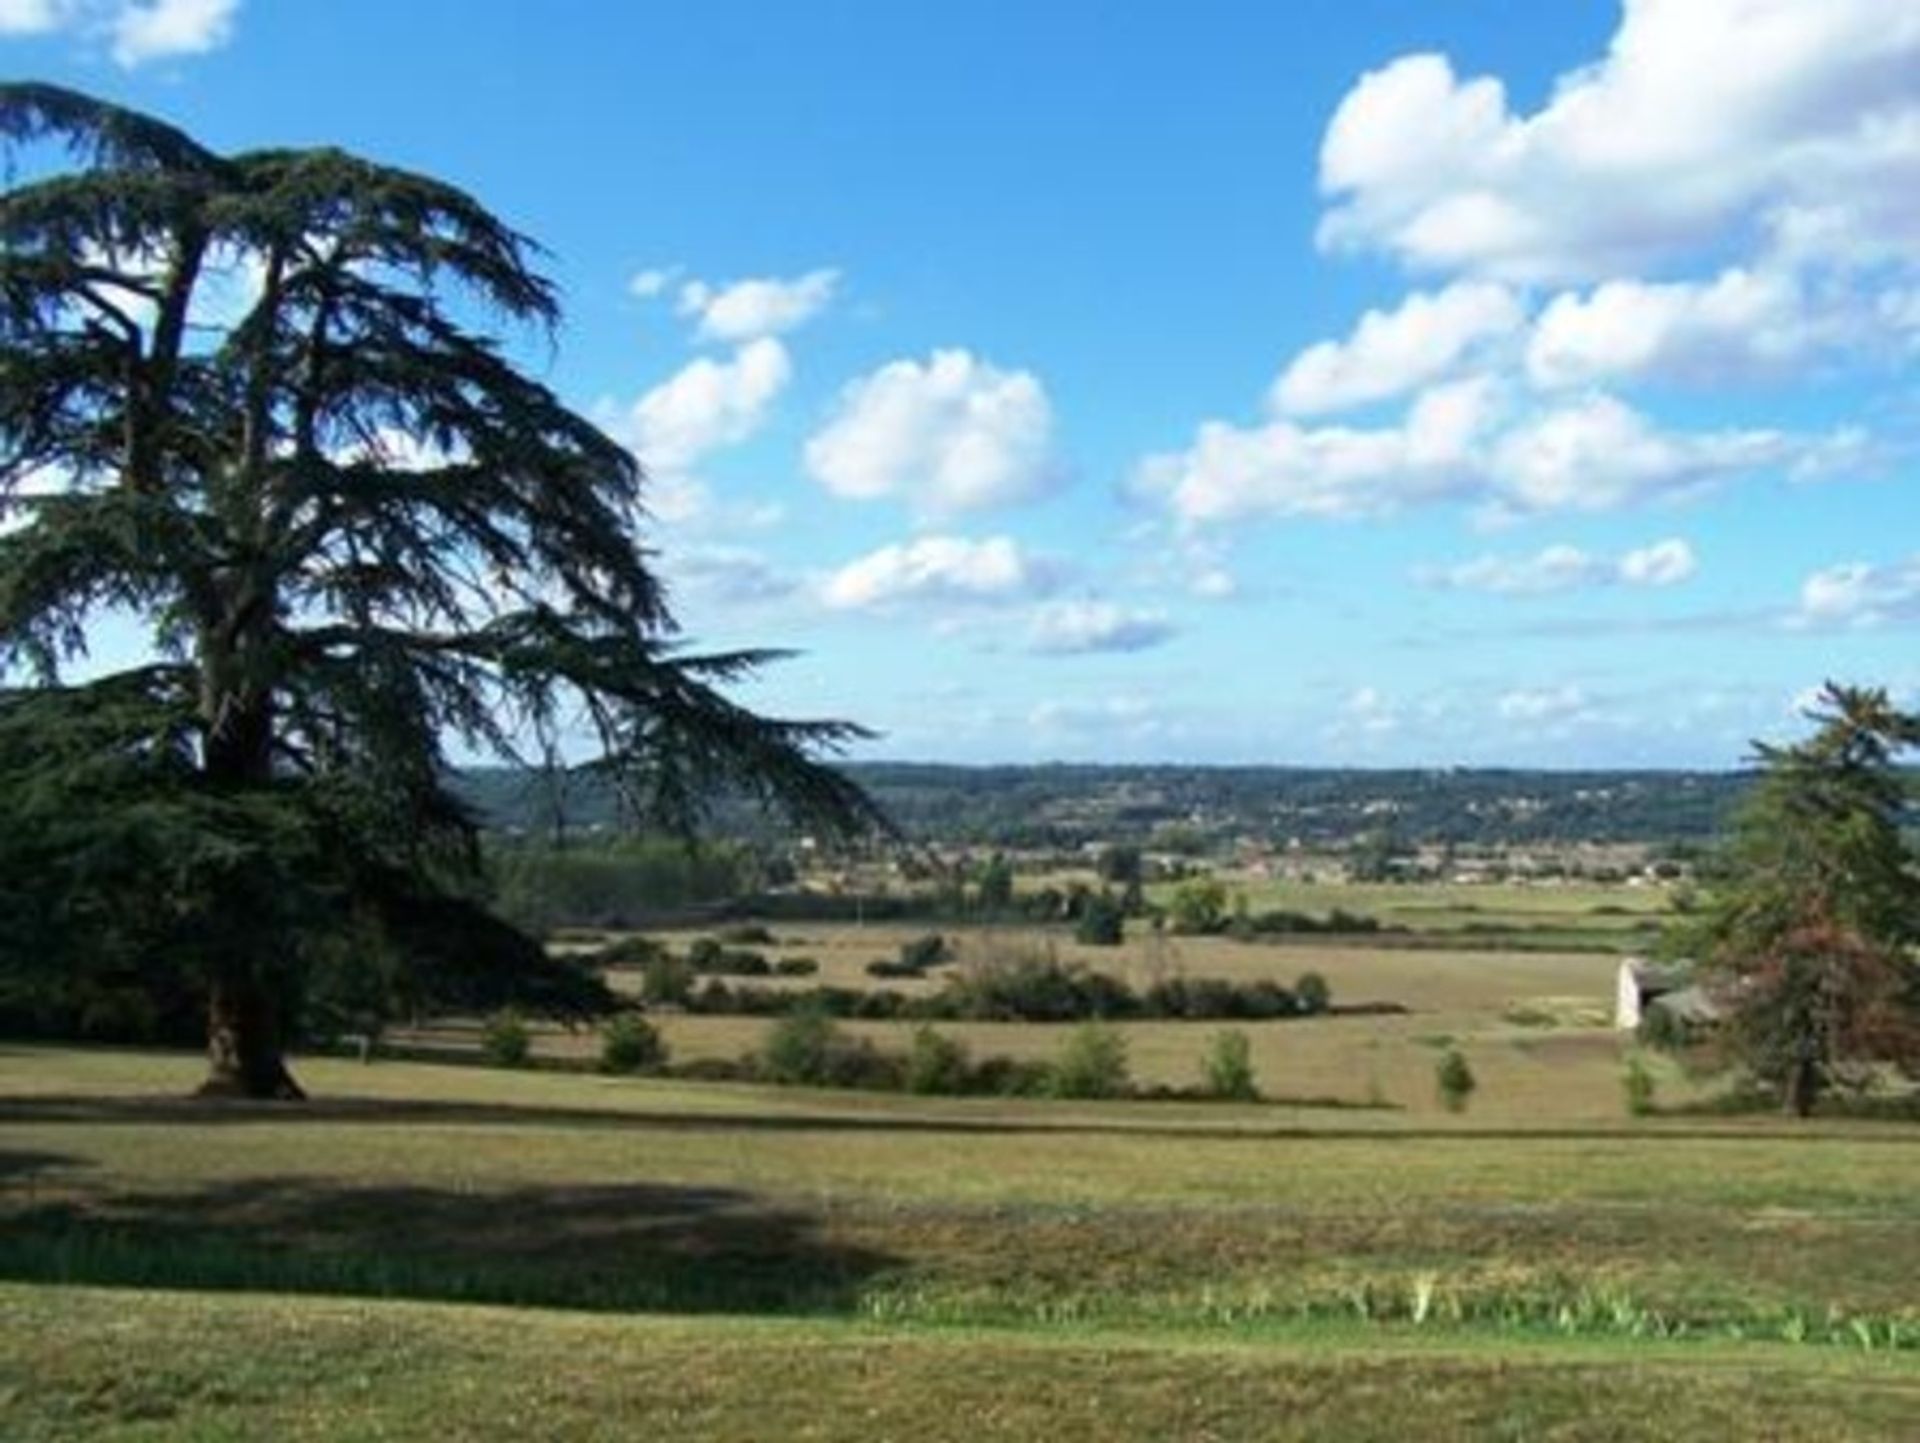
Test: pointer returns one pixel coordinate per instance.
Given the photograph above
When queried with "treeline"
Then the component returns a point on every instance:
(1016, 986)
(1183, 807)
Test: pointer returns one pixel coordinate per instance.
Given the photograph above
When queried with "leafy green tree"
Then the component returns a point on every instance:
(1806, 938)
(1101, 922)
(255, 402)
(1227, 1068)
(1198, 906)
(1454, 1081)
(1093, 1063)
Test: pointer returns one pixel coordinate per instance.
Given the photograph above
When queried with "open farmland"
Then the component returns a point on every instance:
(1532, 1024)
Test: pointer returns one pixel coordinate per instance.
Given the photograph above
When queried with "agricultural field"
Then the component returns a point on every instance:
(562, 1253)
(1531, 1023)
(855, 1265)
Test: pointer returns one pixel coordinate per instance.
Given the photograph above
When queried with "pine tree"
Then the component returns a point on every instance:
(1807, 939)
(259, 403)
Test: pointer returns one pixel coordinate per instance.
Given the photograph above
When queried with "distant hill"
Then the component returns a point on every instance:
(1066, 805)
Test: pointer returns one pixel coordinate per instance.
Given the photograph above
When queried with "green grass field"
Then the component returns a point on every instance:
(415, 1254)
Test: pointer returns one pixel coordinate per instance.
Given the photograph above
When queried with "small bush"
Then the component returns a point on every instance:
(630, 1043)
(505, 1040)
(1227, 1068)
(920, 953)
(808, 1048)
(936, 1064)
(631, 952)
(1312, 993)
(708, 957)
(795, 967)
(798, 1048)
(750, 934)
(1453, 1079)
(1009, 1077)
(1092, 1064)
(888, 969)
(1638, 1085)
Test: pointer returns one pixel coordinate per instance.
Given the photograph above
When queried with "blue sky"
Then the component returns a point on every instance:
(1399, 382)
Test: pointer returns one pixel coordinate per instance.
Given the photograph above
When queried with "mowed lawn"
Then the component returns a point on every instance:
(786, 1263)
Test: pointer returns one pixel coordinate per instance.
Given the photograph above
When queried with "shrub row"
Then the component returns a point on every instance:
(1048, 991)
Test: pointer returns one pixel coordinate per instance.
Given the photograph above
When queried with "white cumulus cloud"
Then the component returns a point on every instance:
(1704, 118)
(708, 404)
(1665, 563)
(1284, 469)
(1393, 352)
(1597, 454)
(940, 569)
(747, 310)
(1076, 627)
(1556, 569)
(1741, 323)
(1859, 593)
(948, 435)
(160, 29)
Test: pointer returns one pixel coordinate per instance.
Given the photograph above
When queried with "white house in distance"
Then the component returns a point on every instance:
(1641, 984)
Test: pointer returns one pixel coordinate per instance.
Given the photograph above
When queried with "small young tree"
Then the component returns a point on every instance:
(1806, 940)
(1092, 1064)
(1227, 1068)
(1312, 993)
(1454, 1081)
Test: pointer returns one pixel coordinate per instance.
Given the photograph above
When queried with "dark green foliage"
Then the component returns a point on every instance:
(1092, 1064)
(1312, 993)
(1453, 1080)
(353, 531)
(709, 958)
(505, 1040)
(747, 934)
(920, 953)
(1121, 866)
(1227, 1068)
(636, 951)
(795, 967)
(630, 1043)
(1102, 922)
(1807, 940)
(1033, 986)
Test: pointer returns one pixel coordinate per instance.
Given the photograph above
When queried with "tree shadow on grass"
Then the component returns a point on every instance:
(1247, 1128)
(619, 1247)
(18, 1165)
